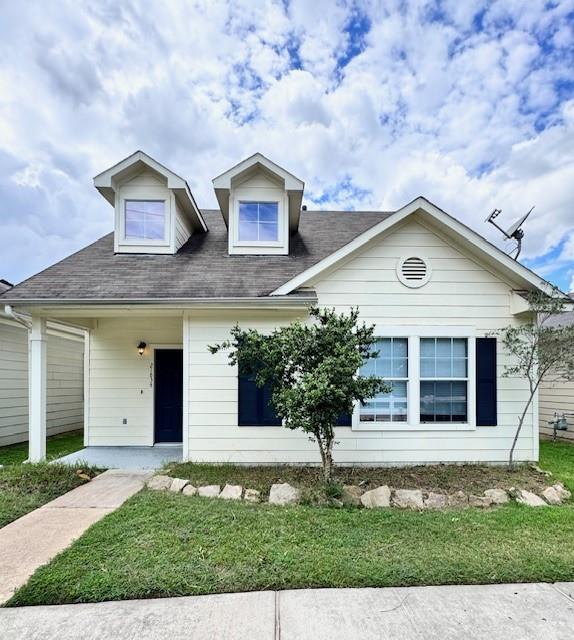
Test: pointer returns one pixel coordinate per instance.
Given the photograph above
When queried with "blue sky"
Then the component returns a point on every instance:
(371, 103)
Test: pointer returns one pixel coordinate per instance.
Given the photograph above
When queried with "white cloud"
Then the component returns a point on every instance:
(473, 119)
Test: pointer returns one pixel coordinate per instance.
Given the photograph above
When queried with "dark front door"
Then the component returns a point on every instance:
(168, 400)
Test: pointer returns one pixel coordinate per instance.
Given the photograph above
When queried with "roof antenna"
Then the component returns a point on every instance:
(514, 232)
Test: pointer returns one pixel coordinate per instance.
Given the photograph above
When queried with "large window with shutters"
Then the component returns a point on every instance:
(435, 374)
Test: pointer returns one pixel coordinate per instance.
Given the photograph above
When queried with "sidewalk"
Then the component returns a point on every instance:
(508, 611)
(34, 539)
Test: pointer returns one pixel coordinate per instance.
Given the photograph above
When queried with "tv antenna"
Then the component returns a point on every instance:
(514, 232)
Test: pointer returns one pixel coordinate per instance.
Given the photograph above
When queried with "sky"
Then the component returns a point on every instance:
(470, 104)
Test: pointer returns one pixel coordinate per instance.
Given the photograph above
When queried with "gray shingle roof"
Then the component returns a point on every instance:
(202, 268)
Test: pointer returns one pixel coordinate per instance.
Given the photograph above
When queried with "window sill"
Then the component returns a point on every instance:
(401, 427)
(142, 243)
(254, 244)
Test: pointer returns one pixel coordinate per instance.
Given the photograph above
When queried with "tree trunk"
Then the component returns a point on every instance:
(328, 463)
(326, 450)
(520, 423)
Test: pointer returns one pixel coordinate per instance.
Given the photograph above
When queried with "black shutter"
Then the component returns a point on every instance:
(248, 405)
(486, 382)
(268, 416)
(344, 420)
(255, 409)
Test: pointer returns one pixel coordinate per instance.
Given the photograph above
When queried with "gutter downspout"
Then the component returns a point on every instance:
(18, 317)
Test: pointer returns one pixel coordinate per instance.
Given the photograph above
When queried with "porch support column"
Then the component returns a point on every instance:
(186, 389)
(37, 372)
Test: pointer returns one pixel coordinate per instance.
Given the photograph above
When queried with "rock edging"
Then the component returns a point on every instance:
(284, 494)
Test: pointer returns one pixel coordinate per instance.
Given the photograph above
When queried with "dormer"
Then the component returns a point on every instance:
(155, 211)
(261, 204)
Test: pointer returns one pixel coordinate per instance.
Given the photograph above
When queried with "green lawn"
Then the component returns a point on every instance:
(56, 447)
(161, 544)
(25, 487)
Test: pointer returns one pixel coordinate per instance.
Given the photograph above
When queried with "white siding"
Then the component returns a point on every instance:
(121, 381)
(558, 396)
(64, 387)
(183, 228)
(461, 292)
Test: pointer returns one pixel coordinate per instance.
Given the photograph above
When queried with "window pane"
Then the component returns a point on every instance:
(459, 368)
(427, 347)
(391, 362)
(443, 368)
(247, 230)
(154, 229)
(443, 401)
(369, 368)
(384, 367)
(248, 211)
(259, 221)
(459, 347)
(443, 347)
(144, 220)
(450, 359)
(400, 347)
(268, 212)
(427, 368)
(268, 232)
(383, 346)
(134, 226)
(400, 368)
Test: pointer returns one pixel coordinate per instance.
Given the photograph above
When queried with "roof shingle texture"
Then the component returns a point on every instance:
(202, 268)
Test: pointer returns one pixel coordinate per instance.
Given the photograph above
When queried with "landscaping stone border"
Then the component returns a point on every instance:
(380, 497)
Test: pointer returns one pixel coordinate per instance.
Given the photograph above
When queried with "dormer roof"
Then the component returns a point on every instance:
(259, 163)
(108, 181)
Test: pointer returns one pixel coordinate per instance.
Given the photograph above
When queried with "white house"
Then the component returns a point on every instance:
(557, 398)
(64, 378)
(172, 279)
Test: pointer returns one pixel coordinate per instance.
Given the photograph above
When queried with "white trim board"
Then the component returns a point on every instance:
(420, 205)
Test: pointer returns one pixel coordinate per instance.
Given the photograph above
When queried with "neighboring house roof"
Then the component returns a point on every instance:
(565, 319)
(202, 268)
(5, 285)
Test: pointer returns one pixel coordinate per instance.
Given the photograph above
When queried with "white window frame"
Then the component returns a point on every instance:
(143, 193)
(259, 243)
(414, 334)
(436, 378)
(259, 247)
(145, 241)
(395, 379)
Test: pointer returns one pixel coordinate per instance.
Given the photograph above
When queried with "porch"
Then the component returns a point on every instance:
(131, 458)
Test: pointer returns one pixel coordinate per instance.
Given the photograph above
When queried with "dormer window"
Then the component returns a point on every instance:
(145, 220)
(258, 222)
(155, 212)
(261, 205)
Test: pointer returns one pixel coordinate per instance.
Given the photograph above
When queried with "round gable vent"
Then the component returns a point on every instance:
(414, 271)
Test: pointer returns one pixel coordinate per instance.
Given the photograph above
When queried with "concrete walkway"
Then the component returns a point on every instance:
(125, 457)
(34, 539)
(512, 612)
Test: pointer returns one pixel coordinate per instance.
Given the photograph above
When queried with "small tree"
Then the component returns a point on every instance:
(312, 370)
(539, 350)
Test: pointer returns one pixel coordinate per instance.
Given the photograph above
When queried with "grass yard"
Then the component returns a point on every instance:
(56, 447)
(162, 544)
(25, 487)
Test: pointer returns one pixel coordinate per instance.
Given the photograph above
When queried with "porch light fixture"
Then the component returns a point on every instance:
(141, 347)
